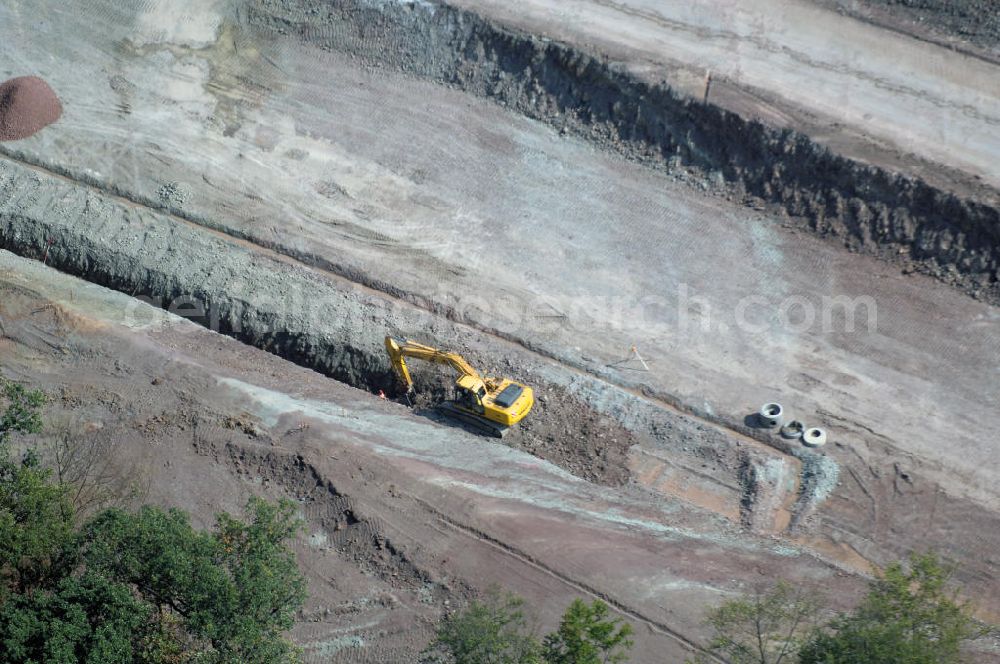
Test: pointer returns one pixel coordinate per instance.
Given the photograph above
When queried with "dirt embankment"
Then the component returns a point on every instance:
(266, 300)
(973, 21)
(262, 300)
(177, 441)
(899, 218)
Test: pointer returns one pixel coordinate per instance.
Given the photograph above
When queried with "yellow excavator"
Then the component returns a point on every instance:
(489, 405)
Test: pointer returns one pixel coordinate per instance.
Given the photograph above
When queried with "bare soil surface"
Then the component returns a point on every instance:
(864, 518)
(562, 208)
(792, 117)
(405, 518)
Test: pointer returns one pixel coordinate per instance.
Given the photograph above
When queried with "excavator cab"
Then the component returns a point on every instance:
(490, 405)
(471, 391)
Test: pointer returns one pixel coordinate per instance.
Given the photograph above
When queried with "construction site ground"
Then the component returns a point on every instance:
(288, 175)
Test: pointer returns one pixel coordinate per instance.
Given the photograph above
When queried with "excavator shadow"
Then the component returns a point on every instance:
(448, 414)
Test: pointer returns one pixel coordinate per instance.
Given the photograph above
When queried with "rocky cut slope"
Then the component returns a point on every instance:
(900, 218)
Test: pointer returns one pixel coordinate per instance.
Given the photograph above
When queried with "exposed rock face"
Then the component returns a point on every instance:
(27, 105)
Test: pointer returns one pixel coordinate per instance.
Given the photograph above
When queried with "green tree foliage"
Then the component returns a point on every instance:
(37, 536)
(235, 589)
(494, 631)
(135, 587)
(86, 618)
(909, 616)
(767, 627)
(145, 587)
(20, 409)
(269, 588)
(588, 635)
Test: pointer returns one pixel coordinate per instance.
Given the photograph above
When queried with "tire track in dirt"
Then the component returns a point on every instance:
(778, 50)
(578, 586)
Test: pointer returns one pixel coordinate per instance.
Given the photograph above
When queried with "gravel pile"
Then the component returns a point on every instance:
(27, 105)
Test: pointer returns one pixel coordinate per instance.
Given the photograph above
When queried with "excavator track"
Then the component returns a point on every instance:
(479, 424)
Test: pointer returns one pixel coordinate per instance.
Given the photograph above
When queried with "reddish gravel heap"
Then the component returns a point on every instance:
(27, 105)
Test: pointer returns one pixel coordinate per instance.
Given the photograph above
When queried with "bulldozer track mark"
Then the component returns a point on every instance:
(580, 586)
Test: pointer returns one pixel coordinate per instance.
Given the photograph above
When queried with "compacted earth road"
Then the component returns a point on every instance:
(660, 215)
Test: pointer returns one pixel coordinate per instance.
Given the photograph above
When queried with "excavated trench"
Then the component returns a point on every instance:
(332, 324)
(264, 299)
(173, 264)
(901, 219)
(336, 327)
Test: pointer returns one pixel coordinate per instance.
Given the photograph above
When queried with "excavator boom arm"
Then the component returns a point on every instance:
(400, 349)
